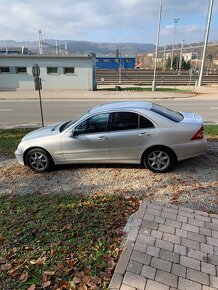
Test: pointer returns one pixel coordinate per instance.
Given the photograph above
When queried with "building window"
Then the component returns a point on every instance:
(4, 69)
(69, 70)
(21, 69)
(52, 70)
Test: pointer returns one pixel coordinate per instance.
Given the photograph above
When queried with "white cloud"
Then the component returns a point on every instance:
(102, 20)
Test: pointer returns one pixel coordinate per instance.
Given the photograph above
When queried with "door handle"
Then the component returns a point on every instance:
(144, 134)
(102, 138)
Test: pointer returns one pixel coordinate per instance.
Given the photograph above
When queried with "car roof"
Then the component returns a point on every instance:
(116, 106)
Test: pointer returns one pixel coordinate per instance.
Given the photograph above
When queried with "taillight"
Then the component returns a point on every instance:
(199, 135)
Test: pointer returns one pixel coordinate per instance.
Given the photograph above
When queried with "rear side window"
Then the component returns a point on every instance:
(167, 113)
(128, 121)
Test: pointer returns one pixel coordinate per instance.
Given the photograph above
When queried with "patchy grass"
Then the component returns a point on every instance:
(211, 131)
(61, 241)
(9, 139)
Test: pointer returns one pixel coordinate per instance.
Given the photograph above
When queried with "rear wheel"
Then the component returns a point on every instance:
(38, 160)
(159, 160)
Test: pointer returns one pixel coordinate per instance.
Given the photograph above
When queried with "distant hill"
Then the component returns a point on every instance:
(82, 47)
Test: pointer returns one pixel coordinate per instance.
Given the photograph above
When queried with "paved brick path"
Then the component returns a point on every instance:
(169, 247)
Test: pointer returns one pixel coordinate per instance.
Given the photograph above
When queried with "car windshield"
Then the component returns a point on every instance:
(70, 123)
(169, 114)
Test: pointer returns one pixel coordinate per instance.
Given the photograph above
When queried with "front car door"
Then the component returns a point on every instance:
(89, 142)
(129, 134)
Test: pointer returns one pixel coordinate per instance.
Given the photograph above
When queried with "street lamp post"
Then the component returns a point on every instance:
(176, 21)
(180, 58)
(156, 50)
(210, 9)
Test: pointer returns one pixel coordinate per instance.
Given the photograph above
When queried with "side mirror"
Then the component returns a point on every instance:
(70, 133)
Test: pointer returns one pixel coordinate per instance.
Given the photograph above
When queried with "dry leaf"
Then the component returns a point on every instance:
(6, 267)
(38, 262)
(46, 284)
(32, 287)
(49, 273)
(24, 277)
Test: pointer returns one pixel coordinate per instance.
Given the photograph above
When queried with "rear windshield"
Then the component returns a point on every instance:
(169, 114)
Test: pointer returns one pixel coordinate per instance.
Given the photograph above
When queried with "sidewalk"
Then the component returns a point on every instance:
(167, 248)
(202, 92)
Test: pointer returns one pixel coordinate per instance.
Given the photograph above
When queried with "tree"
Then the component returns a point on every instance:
(186, 65)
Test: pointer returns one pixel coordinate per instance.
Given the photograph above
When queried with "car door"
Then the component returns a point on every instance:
(89, 141)
(128, 136)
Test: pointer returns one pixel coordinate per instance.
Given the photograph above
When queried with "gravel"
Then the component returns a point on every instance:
(192, 183)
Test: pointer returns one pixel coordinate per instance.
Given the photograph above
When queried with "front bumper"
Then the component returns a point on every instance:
(19, 157)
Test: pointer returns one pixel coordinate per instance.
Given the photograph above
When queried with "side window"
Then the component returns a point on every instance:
(124, 121)
(145, 123)
(94, 124)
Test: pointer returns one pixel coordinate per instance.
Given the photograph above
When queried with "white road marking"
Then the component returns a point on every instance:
(214, 108)
(6, 110)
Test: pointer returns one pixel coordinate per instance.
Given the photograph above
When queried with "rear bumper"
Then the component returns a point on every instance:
(191, 149)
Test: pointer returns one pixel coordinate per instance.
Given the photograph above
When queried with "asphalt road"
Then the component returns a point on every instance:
(15, 113)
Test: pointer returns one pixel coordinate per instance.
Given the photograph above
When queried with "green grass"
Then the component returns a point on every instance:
(211, 131)
(61, 239)
(9, 138)
(146, 89)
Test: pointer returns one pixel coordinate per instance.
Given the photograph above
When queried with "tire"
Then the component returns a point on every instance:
(39, 160)
(159, 160)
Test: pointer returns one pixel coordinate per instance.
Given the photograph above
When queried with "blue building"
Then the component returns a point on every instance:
(113, 63)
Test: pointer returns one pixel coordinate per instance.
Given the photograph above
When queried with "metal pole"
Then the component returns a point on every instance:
(210, 9)
(180, 58)
(157, 44)
(40, 102)
(164, 58)
(176, 20)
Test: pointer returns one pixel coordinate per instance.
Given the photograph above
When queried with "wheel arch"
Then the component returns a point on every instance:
(159, 147)
(35, 147)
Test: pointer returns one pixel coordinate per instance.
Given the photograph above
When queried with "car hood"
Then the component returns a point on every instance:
(50, 130)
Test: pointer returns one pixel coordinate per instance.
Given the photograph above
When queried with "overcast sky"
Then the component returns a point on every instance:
(106, 20)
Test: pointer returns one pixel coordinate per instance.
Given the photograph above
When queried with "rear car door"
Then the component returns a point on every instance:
(129, 133)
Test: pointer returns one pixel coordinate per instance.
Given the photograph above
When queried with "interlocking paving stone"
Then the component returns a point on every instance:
(169, 256)
(185, 284)
(148, 272)
(141, 258)
(208, 268)
(153, 251)
(166, 278)
(214, 281)
(179, 270)
(169, 248)
(134, 267)
(198, 276)
(190, 263)
(153, 285)
(134, 280)
(161, 264)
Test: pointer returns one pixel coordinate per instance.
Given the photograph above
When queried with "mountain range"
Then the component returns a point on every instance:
(81, 47)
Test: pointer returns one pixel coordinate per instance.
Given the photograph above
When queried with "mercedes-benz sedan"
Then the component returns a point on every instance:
(134, 132)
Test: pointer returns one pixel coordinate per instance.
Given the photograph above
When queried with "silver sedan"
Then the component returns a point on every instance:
(134, 132)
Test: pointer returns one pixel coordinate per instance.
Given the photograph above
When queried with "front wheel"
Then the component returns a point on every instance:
(159, 160)
(38, 160)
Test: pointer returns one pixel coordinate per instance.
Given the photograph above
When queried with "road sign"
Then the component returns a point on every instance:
(36, 71)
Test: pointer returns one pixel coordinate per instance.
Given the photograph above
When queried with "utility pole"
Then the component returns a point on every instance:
(207, 30)
(176, 21)
(180, 58)
(156, 50)
(40, 41)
